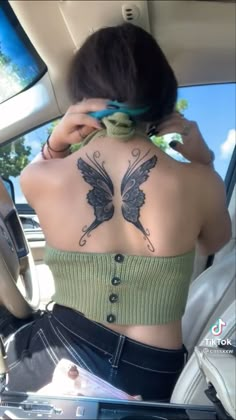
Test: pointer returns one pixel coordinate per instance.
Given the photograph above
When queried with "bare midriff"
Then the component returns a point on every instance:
(167, 336)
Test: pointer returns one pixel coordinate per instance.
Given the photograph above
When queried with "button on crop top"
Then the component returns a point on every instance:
(120, 288)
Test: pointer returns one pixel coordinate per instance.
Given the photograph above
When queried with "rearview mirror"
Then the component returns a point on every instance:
(9, 187)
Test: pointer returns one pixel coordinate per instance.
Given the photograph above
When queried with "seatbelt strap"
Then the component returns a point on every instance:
(220, 411)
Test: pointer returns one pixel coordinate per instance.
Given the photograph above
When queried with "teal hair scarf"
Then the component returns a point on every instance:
(114, 106)
(118, 122)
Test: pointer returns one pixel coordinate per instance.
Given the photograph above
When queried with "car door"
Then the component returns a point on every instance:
(14, 156)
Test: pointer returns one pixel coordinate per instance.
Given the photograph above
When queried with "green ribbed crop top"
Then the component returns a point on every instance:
(122, 289)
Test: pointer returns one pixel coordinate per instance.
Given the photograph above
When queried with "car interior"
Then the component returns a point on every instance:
(198, 38)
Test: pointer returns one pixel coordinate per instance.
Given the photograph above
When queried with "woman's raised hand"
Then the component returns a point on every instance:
(76, 124)
(194, 147)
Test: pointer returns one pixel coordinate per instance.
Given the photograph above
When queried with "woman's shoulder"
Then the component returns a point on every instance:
(39, 176)
(204, 172)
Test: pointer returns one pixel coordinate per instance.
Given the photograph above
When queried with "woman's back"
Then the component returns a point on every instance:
(154, 208)
(129, 198)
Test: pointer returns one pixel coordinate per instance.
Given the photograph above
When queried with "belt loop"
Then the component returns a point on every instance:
(185, 354)
(118, 351)
(49, 311)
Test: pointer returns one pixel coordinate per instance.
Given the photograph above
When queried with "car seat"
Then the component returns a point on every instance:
(191, 384)
(211, 296)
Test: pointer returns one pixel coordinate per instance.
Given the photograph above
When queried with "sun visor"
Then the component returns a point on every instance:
(28, 109)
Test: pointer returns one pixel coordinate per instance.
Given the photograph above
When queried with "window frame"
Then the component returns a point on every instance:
(230, 177)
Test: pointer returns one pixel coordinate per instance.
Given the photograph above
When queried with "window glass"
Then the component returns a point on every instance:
(20, 65)
(213, 107)
(16, 155)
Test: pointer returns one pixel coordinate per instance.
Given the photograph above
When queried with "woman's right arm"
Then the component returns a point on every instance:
(215, 230)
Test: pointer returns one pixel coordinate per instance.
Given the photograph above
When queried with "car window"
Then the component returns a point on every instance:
(15, 155)
(20, 64)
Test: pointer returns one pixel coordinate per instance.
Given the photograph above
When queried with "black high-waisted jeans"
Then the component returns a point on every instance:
(138, 369)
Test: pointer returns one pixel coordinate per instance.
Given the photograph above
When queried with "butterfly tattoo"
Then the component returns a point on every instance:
(132, 197)
(101, 196)
(102, 193)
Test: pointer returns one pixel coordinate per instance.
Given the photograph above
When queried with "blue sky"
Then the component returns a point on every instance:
(214, 109)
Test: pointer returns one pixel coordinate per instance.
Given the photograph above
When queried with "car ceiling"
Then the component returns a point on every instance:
(198, 37)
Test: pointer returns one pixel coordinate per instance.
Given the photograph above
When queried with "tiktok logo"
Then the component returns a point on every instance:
(217, 328)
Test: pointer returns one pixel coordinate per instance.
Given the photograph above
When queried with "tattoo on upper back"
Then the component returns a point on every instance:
(100, 197)
(102, 193)
(132, 197)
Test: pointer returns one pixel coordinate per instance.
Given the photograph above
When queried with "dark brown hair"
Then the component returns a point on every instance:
(126, 64)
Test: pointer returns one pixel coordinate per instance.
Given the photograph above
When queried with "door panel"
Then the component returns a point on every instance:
(45, 278)
(37, 248)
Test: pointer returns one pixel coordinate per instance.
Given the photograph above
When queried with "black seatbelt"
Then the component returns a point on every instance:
(220, 411)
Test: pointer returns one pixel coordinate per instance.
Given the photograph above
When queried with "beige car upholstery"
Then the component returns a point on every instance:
(14, 264)
(219, 369)
(191, 384)
(209, 295)
(213, 290)
(230, 246)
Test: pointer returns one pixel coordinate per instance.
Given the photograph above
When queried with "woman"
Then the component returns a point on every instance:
(121, 220)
